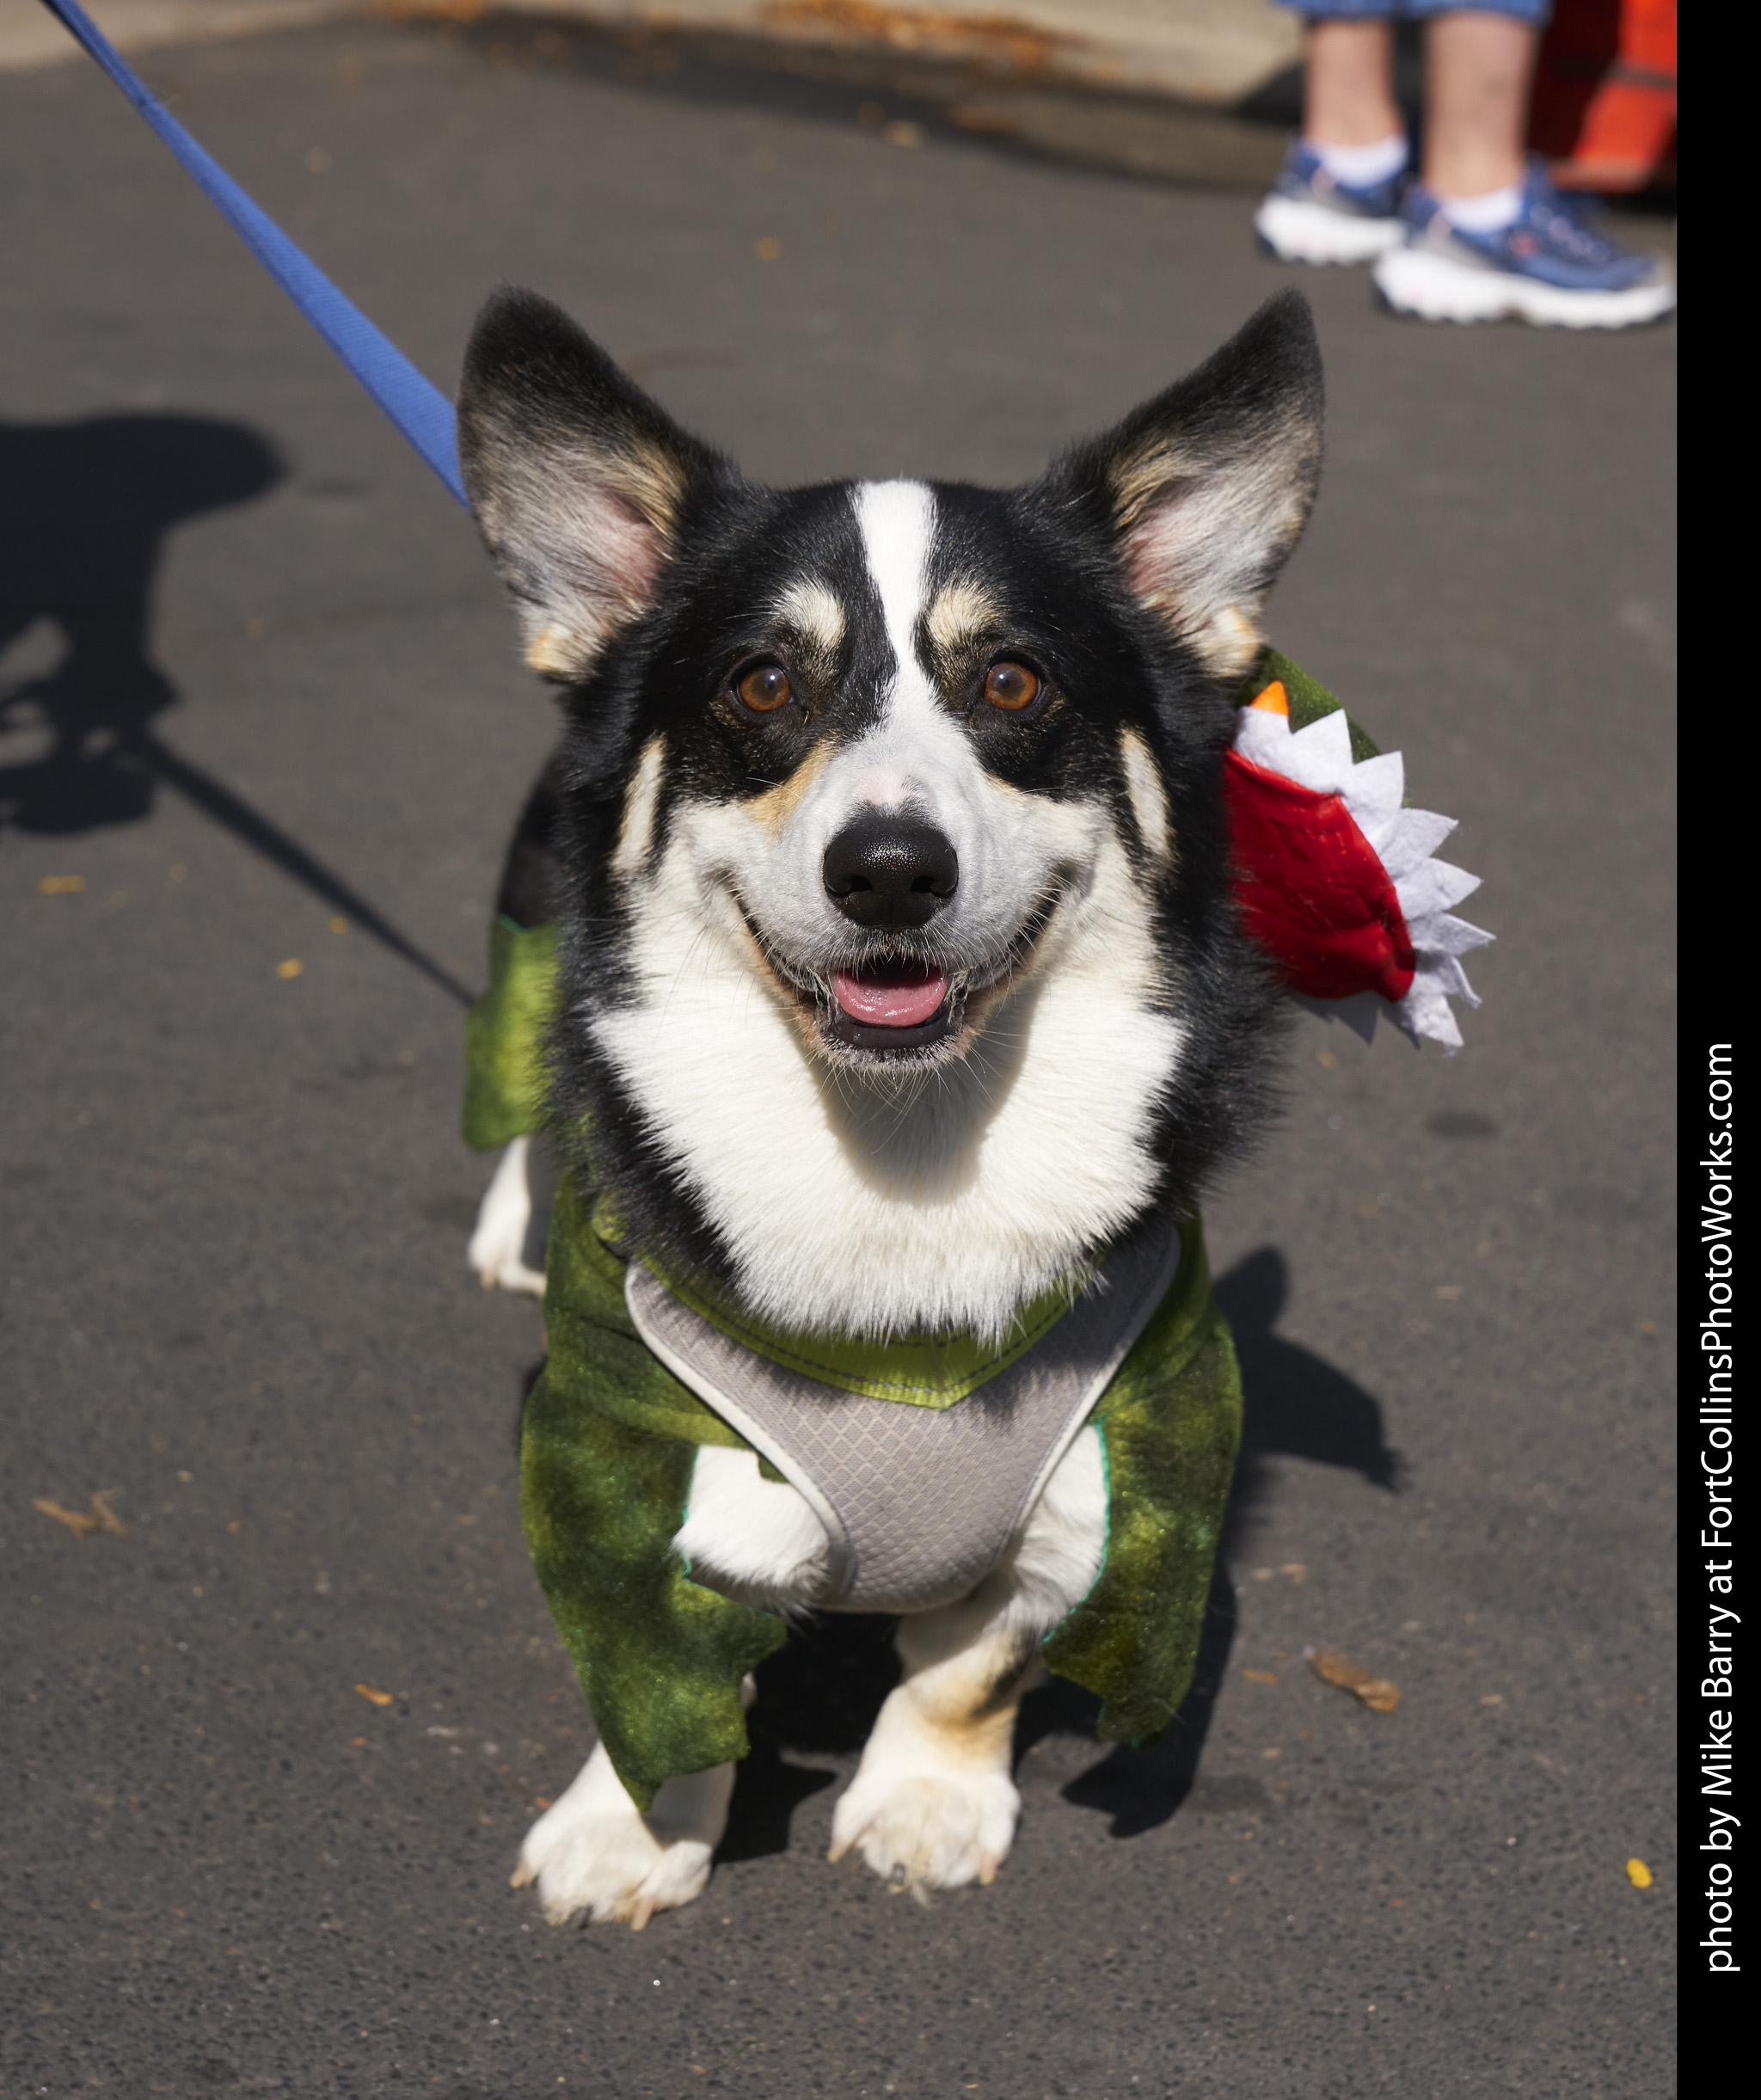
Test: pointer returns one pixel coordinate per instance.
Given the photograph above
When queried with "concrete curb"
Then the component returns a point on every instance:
(1213, 51)
(30, 36)
(1200, 51)
(1186, 90)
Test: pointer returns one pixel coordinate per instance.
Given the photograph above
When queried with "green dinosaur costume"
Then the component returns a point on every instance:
(611, 1437)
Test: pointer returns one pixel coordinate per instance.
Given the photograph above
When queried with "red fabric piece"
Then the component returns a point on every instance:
(1603, 106)
(1311, 888)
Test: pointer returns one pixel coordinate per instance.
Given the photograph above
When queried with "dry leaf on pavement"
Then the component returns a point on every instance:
(83, 1522)
(1376, 1692)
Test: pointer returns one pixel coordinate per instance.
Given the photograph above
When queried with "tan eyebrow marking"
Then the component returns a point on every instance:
(961, 611)
(813, 608)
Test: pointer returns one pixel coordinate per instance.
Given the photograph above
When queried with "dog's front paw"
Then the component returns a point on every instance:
(596, 1856)
(927, 1829)
(609, 1868)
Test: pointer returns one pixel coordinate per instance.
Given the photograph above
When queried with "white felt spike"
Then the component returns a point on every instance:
(1426, 1013)
(1263, 737)
(1378, 784)
(1326, 743)
(1415, 841)
(1455, 936)
(1451, 978)
(1431, 889)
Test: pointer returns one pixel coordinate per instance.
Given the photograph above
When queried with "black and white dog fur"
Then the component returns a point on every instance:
(900, 971)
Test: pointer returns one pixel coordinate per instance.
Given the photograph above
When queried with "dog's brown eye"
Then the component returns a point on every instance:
(764, 688)
(1012, 686)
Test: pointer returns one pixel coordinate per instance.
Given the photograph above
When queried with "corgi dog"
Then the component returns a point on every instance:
(899, 1001)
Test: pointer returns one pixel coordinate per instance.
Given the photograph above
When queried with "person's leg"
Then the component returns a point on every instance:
(1348, 96)
(1478, 67)
(1337, 198)
(1488, 236)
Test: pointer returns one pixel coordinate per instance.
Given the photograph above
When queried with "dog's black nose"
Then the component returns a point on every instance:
(890, 870)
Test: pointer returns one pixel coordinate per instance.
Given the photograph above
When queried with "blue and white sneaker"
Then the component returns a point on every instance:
(1311, 217)
(1548, 266)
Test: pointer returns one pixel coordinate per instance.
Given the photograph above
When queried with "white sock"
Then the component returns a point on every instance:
(1490, 212)
(1361, 167)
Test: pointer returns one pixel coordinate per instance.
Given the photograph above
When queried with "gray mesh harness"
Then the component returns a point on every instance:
(918, 1504)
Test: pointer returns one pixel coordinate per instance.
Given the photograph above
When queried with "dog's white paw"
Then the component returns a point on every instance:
(931, 1829)
(498, 1243)
(594, 1855)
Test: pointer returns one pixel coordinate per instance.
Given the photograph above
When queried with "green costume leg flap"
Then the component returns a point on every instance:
(503, 1036)
(606, 1453)
(659, 1657)
(1171, 1425)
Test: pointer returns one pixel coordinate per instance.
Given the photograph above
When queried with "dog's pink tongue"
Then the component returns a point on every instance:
(891, 995)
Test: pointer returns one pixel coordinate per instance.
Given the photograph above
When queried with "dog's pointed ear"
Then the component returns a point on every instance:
(578, 480)
(1206, 489)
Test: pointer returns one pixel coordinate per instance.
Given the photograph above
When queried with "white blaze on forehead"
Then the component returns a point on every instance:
(918, 756)
(898, 522)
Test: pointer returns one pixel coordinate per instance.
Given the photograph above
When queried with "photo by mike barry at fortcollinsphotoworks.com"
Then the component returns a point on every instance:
(1720, 1824)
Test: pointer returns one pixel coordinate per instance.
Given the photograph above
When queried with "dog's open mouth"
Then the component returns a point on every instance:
(893, 1005)
(890, 1005)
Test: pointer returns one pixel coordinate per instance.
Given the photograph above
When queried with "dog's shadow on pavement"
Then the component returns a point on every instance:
(819, 1696)
(85, 509)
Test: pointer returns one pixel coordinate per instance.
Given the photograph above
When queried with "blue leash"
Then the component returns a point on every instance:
(414, 404)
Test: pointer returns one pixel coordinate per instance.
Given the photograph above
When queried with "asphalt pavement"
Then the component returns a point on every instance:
(260, 702)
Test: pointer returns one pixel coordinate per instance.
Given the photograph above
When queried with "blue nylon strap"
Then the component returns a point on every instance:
(414, 404)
